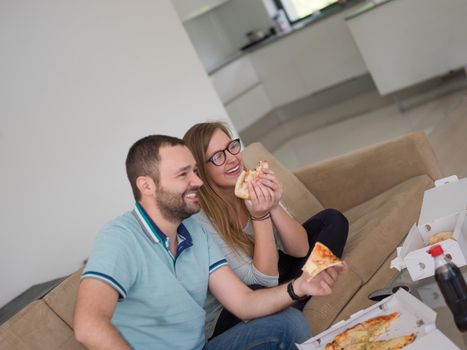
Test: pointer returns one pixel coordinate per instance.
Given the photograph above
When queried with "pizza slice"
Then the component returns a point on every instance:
(389, 344)
(247, 176)
(439, 237)
(320, 259)
(363, 336)
(363, 332)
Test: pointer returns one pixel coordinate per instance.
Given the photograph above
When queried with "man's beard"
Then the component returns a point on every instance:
(172, 205)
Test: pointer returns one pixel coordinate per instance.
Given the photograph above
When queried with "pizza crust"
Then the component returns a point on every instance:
(390, 344)
(363, 336)
(320, 259)
(247, 176)
(439, 237)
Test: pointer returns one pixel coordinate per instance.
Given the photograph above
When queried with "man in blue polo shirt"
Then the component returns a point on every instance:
(145, 283)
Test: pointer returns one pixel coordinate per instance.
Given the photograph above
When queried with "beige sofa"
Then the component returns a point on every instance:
(379, 189)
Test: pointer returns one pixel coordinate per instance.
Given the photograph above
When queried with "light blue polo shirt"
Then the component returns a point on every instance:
(161, 296)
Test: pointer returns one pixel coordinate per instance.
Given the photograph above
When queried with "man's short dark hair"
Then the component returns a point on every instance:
(143, 158)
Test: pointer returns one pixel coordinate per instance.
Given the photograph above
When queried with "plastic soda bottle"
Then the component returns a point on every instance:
(452, 286)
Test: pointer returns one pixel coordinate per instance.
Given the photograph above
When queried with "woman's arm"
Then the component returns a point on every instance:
(265, 257)
(292, 235)
(241, 263)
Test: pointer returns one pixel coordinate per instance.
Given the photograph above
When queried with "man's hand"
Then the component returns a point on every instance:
(321, 284)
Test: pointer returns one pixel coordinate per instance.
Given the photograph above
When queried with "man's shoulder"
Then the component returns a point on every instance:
(202, 219)
(193, 225)
(120, 226)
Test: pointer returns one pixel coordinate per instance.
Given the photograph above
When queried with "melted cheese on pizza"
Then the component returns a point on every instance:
(364, 334)
(320, 259)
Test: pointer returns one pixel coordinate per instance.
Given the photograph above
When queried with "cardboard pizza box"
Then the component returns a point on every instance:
(415, 317)
(414, 250)
(447, 197)
(443, 209)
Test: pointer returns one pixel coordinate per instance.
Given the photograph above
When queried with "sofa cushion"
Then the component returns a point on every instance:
(379, 225)
(321, 311)
(63, 297)
(300, 202)
(37, 327)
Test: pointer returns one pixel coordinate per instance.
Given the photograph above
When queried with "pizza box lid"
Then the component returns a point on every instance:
(447, 197)
(415, 317)
(414, 255)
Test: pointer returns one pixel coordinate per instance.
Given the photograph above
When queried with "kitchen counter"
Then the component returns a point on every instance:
(368, 6)
(316, 17)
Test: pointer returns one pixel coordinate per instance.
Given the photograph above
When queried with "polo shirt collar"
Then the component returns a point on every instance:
(156, 235)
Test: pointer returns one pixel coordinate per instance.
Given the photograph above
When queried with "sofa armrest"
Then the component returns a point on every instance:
(349, 180)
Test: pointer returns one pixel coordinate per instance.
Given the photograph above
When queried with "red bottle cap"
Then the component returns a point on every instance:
(436, 250)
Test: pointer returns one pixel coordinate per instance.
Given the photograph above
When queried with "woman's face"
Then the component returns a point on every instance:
(225, 175)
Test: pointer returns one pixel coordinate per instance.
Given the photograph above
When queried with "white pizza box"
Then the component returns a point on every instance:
(415, 317)
(414, 251)
(448, 196)
(443, 209)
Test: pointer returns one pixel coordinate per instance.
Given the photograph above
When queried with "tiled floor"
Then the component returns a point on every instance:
(370, 128)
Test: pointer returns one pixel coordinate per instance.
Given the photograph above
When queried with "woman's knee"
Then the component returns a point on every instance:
(335, 217)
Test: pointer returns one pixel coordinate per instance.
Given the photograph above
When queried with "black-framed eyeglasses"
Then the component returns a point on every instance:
(219, 157)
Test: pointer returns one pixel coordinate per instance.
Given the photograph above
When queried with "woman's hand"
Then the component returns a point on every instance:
(262, 199)
(269, 179)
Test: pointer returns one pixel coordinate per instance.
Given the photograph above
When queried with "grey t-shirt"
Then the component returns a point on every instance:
(240, 263)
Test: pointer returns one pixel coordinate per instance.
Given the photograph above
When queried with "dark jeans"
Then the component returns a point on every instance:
(329, 227)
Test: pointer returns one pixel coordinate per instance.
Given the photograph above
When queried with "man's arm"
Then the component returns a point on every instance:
(95, 305)
(247, 304)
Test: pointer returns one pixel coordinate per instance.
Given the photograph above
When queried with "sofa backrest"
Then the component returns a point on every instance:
(350, 179)
(300, 202)
(62, 298)
(37, 327)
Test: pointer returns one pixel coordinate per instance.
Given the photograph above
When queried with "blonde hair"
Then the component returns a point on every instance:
(214, 201)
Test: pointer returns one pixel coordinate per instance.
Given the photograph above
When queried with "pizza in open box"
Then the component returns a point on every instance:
(363, 336)
(439, 237)
(320, 259)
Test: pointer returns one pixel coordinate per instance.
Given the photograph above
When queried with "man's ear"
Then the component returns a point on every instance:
(145, 185)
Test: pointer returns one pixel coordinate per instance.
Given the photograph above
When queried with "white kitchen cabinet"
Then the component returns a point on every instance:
(405, 42)
(309, 60)
(249, 107)
(188, 9)
(241, 92)
(298, 65)
(234, 78)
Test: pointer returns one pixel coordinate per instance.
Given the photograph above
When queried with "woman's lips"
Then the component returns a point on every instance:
(235, 171)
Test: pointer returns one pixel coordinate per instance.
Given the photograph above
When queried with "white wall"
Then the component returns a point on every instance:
(80, 82)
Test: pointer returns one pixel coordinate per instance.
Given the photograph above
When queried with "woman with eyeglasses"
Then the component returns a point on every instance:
(263, 244)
